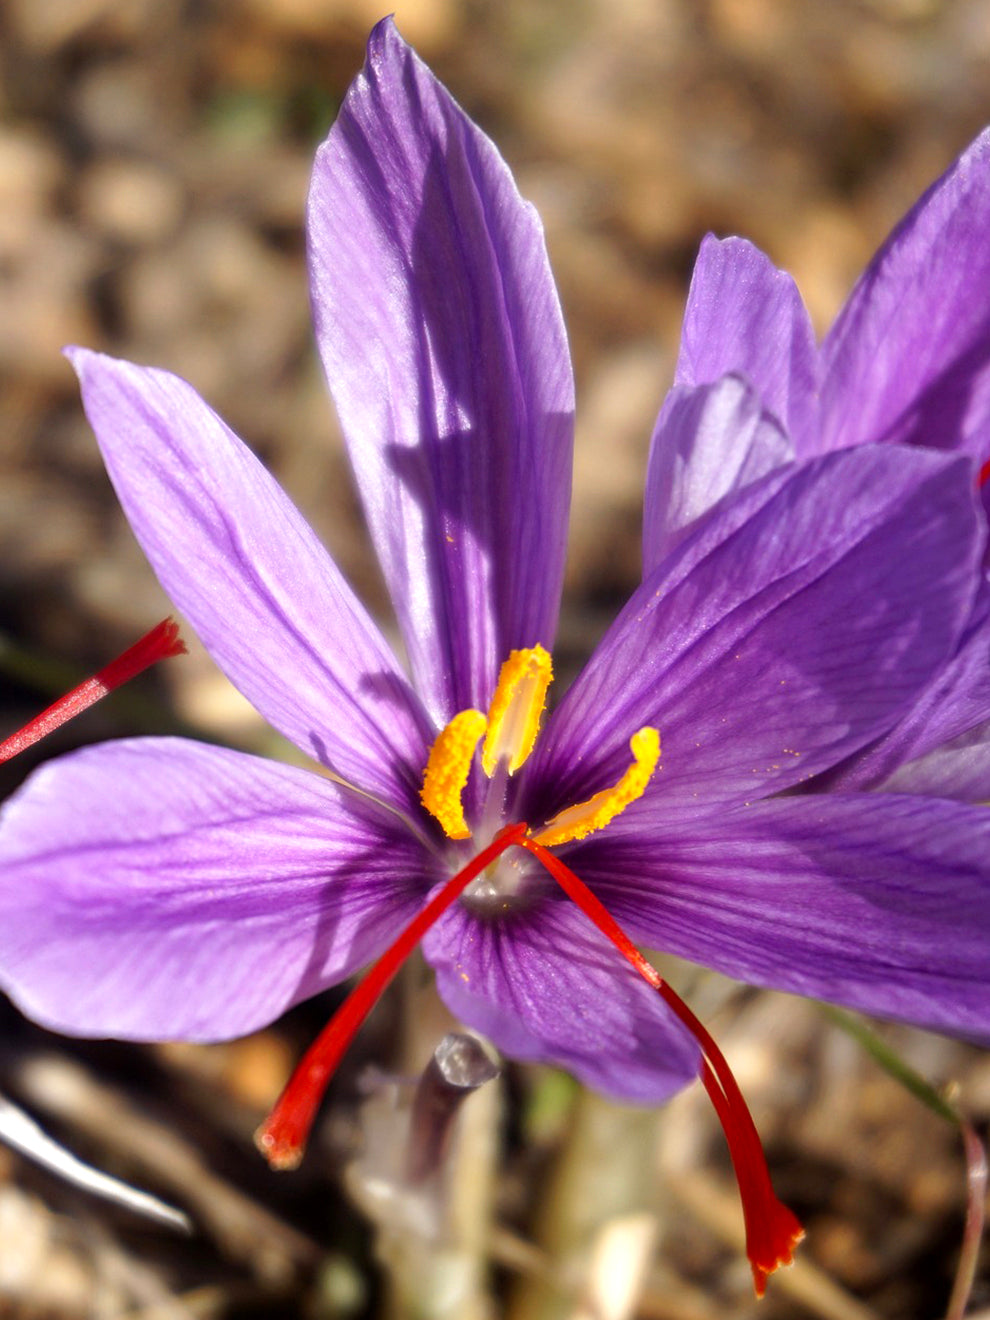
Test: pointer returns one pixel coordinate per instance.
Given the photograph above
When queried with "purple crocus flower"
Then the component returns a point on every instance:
(906, 362)
(160, 888)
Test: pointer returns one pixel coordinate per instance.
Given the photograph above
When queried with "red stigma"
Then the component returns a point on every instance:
(983, 476)
(282, 1137)
(160, 643)
(772, 1231)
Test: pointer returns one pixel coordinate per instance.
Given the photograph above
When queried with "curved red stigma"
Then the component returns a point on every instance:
(160, 643)
(984, 474)
(282, 1137)
(772, 1230)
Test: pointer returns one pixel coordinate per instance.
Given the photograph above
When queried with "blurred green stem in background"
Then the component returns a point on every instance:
(975, 1153)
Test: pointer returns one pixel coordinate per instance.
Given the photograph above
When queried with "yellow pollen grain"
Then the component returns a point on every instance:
(583, 819)
(516, 709)
(447, 770)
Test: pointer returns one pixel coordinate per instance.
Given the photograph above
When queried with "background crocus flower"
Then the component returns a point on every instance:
(908, 358)
(158, 888)
(906, 362)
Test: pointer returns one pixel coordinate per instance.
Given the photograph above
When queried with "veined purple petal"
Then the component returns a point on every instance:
(908, 359)
(877, 901)
(745, 315)
(709, 442)
(954, 703)
(959, 769)
(240, 561)
(546, 987)
(162, 889)
(443, 343)
(768, 649)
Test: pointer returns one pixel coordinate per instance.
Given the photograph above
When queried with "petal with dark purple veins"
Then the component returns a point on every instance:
(952, 705)
(908, 359)
(546, 987)
(163, 889)
(709, 442)
(877, 901)
(242, 564)
(745, 315)
(959, 769)
(784, 634)
(443, 342)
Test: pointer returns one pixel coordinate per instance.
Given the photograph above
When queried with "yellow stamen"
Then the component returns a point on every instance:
(518, 703)
(578, 821)
(447, 771)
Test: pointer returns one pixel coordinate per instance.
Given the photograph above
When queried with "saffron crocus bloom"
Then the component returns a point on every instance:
(159, 888)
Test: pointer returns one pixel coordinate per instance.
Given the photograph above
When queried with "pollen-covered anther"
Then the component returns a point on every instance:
(585, 817)
(516, 709)
(447, 770)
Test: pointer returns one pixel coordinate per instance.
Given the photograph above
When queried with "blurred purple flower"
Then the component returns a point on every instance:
(159, 888)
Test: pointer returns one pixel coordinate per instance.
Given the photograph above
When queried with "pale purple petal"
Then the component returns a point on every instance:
(162, 889)
(546, 987)
(244, 567)
(745, 315)
(875, 901)
(709, 442)
(769, 648)
(908, 359)
(443, 342)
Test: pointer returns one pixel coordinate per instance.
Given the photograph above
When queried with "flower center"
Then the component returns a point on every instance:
(509, 730)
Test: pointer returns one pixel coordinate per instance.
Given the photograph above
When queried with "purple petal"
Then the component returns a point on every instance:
(163, 889)
(708, 442)
(954, 703)
(908, 359)
(875, 901)
(545, 986)
(797, 624)
(959, 769)
(744, 315)
(241, 563)
(443, 343)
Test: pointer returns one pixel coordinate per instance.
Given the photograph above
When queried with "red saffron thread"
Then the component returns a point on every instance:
(160, 643)
(282, 1136)
(772, 1230)
(984, 474)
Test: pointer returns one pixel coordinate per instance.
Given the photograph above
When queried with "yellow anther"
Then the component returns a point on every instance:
(578, 821)
(447, 771)
(514, 715)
